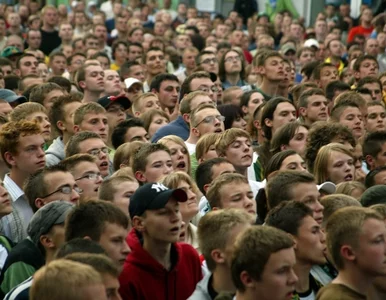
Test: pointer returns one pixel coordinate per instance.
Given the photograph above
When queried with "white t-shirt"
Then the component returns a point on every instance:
(191, 148)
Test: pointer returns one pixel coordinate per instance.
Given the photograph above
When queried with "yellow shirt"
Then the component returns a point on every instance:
(114, 67)
(341, 64)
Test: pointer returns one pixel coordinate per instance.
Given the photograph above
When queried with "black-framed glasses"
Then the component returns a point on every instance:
(65, 189)
(89, 176)
(210, 119)
(96, 152)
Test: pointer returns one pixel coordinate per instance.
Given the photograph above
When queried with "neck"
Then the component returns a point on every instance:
(66, 42)
(102, 45)
(282, 91)
(160, 251)
(192, 139)
(366, 24)
(335, 60)
(48, 28)
(354, 279)
(89, 96)
(308, 122)
(242, 170)
(3, 169)
(233, 78)
(189, 71)
(150, 77)
(66, 137)
(222, 280)
(18, 177)
(303, 273)
(268, 87)
(50, 255)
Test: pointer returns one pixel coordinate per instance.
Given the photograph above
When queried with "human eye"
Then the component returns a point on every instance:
(291, 166)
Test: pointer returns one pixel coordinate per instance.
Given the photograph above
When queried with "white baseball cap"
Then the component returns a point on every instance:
(130, 81)
(311, 43)
(327, 187)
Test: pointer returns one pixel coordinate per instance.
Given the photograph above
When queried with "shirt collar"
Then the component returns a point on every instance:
(13, 189)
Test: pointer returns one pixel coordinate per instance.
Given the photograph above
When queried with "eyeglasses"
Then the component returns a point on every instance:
(89, 176)
(96, 152)
(66, 189)
(210, 119)
(209, 60)
(233, 58)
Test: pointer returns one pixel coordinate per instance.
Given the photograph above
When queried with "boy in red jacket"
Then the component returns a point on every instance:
(158, 267)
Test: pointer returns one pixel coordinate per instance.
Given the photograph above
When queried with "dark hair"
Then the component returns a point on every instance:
(372, 144)
(334, 86)
(157, 80)
(369, 79)
(185, 86)
(21, 57)
(222, 72)
(231, 113)
(115, 45)
(204, 172)
(370, 177)
(90, 219)
(125, 68)
(284, 135)
(361, 59)
(198, 57)
(11, 82)
(246, 97)
(61, 81)
(318, 69)
(79, 245)
(118, 135)
(275, 162)
(288, 216)
(308, 68)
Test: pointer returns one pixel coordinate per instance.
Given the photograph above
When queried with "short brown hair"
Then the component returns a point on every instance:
(303, 99)
(185, 105)
(125, 153)
(10, 134)
(204, 143)
(39, 92)
(260, 59)
(72, 146)
(179, 141)
(193, 113)
(253, 249)
(140, 158)
(71, 162)
(220, 222)
(85, 109)
(22, 111)
(57, 109)
(227, 138)
(213, 194)
(344, 228)
(332, 203)
(137, 101)
(147, 117)
(71, 276)
(109, 187)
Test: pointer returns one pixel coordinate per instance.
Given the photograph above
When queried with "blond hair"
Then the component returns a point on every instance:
(179, 141)
(204, 143)
(22, 111)
(227, 138)
(124, 154)
(85, 109)
(72, 277)
(349, 187)
(322, 160)
(137, 105)
(193, 113)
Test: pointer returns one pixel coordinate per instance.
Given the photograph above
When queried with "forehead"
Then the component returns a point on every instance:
(154, 53)
(166, 83)
(272, 59)
(376, 108)
(86, 145)
(110, 73)
(86, 166)
(34, 139)
(328, 69)
(59, 177)
(351, 110)
(207, 112)
(284, 106)
(368, 61)
(93, 68)
(222, 168)
(232, 53)
(158, 155)
(94, 115)
(28, 58)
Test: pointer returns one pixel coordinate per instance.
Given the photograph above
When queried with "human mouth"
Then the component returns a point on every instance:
(175, 230)
(104, 165)
(218, 130)
(181, 165)
(348, 177)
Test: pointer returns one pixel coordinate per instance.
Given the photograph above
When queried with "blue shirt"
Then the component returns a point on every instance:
(178, 127)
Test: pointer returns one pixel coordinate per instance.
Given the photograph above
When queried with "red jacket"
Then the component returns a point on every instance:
(144, 278)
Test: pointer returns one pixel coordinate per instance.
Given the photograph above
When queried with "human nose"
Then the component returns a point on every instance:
(3, 191)
(292, 278)
(74, 196)
(46, 123)
(168, 169)
(126, 249)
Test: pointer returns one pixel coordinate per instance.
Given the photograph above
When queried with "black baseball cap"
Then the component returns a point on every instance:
(106, 101)
(152, 196)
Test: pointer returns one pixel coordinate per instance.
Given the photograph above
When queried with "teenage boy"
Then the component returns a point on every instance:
(61, 117)
(55, 183)
(217, 250)
(350, 115)
(155, 62)
(46, 94)
(103, 223)
(296, 219)
(365, 65)
(203, 120)
(128, 131)
(167, 88)
(376, 176)
(374, 147)
(34, 112)
(92, 117)
(263, 264)
(232, 191)
(151, 163)
(45, 236)
(358, 256)
(180, 126)
(313, 106)
(84, 169)
(270, 66)
(171, 269)
(376, 116)
(324, 73)
(90, 143)
(144, 102)
(90, 79)
(22, 149)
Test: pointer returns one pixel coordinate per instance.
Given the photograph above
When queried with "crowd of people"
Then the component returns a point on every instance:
(153, 151)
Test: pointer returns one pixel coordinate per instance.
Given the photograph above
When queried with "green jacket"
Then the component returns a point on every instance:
(272, 9)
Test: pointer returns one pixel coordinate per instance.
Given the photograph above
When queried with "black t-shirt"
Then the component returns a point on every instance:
(50, 41)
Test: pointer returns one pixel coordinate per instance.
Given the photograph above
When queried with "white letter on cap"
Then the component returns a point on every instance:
(159, 187)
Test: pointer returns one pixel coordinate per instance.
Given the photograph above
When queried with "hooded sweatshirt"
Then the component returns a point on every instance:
(145, 278)
(55, 153)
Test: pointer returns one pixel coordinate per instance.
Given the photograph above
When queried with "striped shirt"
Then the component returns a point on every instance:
(21, 291)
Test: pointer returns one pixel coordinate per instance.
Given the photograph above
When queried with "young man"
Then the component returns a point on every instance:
(90, 79)
(46, 94)
(61, 117)
(365, 65)
(208, 61)
(92, 117)
(58, 63)
(376, 176)
(84, 169)
(296, 219)
(90, 143)
(376, 117)
(55, 183)
(151, 162)
(167, 88)
(26, 64)
(112, 82)
(374, 147)
(132, 69)
(189, 55)
(144, 102)
(103, 223)
(156, 219)
(50, 35)
(22, 149)
(217, 250)
(270, 66)
(203, 120)
(33, 112)
(263, 264)
(45, 236)
(232, 191)
(155, 62)
(77, 280)
(128, 131)
(313, 106)
(358, 256)
(297, 186)
(335, 48)
(324, 73)
(180, 126)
